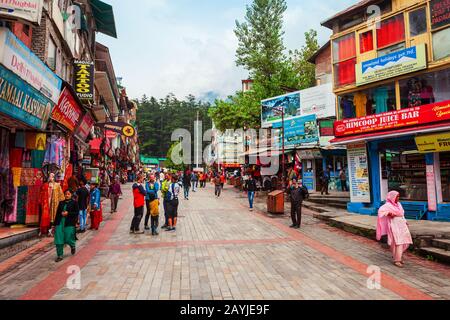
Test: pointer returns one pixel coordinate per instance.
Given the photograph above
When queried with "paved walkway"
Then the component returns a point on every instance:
(221, 250)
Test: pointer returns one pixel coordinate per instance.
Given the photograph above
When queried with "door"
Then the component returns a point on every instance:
(318, 171)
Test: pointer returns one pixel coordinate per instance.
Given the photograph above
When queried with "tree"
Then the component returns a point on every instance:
(169, 162)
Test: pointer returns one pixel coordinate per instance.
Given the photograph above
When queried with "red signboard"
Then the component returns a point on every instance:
(85, 127)
(440, 13)
(427, 114)
(67, 112)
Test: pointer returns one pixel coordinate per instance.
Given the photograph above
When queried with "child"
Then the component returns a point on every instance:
(154, 211)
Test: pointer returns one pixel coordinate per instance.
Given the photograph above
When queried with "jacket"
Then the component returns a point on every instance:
(73, 210)
(95, 198)
(165, 187)
(139, 195)
(151, 190)
(298, 195)
(250, 185)
(186, 179)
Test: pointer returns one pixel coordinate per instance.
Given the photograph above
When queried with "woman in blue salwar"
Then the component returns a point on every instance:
(65, 225)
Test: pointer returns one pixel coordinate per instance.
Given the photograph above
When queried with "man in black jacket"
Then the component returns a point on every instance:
(250, 186)
(297, 195)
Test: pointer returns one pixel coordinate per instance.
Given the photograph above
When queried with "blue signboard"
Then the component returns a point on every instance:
(22, 102)
(308, 180)
(299, 130)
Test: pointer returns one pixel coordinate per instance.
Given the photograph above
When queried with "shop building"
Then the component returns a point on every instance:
(391, 77)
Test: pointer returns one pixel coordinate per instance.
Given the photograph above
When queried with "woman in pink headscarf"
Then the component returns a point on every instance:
(392, 222)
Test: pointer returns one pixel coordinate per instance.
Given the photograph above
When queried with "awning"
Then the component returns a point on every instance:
(391, 134)
(104, 18)
(149, 161)
(95, 145)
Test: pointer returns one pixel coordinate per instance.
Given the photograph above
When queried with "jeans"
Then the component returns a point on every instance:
(114, 202)
(296, 213)
(251, 198)
(186, 192)
(194, 186)
(138, 214)
(155, 223)
(344, 185)
(83, 218)
(218, 190)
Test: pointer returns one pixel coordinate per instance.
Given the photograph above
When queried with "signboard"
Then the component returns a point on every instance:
(440, 13)
(431, 188)
(290, 103)
(326, 128)
(309, 154)
(433, 143)
(391, 65)
(22, 102)
(16, 56)
(122, 128)
(412, 117)
(308, 180)
(84, 80)
(67, 112)
(299, 130)
(87, 160)
(358, 167)
(319, 100)
(85, 127)
(26, 10)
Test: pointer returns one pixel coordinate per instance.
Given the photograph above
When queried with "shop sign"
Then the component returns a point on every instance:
(412, 117)
(440, 13)
(16, 56)
(22, 102)
(326, 128)
(433, 143)
(395, 64)
(26, 10)
(309, 154)
(122, 128)
(358, 167)
(87, 160)
(299, 131)
(271, 108)
(308, 180)
(431, 188)
(84, 80)
(319, 100)
(67, 112)
(85, 127)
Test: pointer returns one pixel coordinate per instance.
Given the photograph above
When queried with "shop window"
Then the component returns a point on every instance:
(51, 55)
(366, 41)
(418, 22)
(391, 49)
(391, 31)
(425, 89)
(344, 58)
(345, 72)
(441, 44)
(444, 158)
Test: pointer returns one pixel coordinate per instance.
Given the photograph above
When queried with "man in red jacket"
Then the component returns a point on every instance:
(139, 194)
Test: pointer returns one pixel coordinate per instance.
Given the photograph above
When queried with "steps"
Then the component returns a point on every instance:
(329, 201)
(439, 254)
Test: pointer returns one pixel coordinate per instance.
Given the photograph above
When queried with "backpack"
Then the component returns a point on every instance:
(152, 194)
(170, 192)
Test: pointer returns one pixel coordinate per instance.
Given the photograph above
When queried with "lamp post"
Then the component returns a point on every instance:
(283, 160)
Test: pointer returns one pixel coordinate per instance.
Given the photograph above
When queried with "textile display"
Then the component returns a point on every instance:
(37, 159)
(381, 97)
(11, 217)
(20, 140)
(16, 174)
(15, 157)
(4, 149)
(22, 195)
(27, 177)
(41, 141)
(30, 140)
(360, 100)
(32, 215)
(45, 209)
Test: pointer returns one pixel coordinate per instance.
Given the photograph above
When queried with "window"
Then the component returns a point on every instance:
(394, 48)
(51, 55)
(444, 158)
(366, 41)
(344, 56)
(418, 22)
(441, 44)
(392, 31)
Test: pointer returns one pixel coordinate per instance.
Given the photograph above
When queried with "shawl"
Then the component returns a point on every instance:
(390, 207)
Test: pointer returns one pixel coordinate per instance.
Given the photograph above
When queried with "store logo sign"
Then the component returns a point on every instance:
(84, 80)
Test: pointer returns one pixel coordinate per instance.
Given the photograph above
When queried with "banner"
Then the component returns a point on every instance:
(319, 101)
(358, 167)
(84, 74)
(440, 13)
(26, 10)
(271, 108)
(22, 102)
(423, 115)
(16, 56)
(122, 128)
(85, 127)
(299, 130)
(433, 143)
(67, 112)
(392, 65)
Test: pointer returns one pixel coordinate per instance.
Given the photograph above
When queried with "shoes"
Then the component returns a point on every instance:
(73, 251)
(59, 259)
(293, 226)
(164, 227)
(139, 232)
(147, 228)
(297, 227)
(131, 231)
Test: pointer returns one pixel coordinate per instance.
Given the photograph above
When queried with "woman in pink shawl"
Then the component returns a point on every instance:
(392, 222)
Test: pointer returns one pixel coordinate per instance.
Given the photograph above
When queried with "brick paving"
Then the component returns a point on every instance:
(221, 251)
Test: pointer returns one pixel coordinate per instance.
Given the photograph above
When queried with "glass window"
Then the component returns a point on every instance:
(444, 158)
(391, 49)
(366, 41)
(441, 44)
(345, 72)
(425, 89)
(418, 22)
(391, 31)
(344, 48)
(51, 55)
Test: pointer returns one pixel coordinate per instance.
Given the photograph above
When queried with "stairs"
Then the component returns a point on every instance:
(438, 249)
(334, 201)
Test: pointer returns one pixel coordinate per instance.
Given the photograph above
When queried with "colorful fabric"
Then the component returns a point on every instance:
(22, 196)
(45, 220)
(11, 217)
(96, 218)
(381, 97)
(16, 173)
(41, 141)
(30, 140)
(4, 149)
(154, 208)
(27, 176)
(37, 159)
(56, 196)
(32, 215)
(15, 157)
(360, 100)
(20, 140)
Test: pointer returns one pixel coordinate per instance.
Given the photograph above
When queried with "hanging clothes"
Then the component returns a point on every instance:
(17, 175)
(360, 101)
(27, 176)
(381, 96)
(22, 195)
(15, 157)
(20, 140)
(4, 149)
(11, 217)
(30, 140)
(32, 215)
(37, 159)
(347, 107)
(56, 196)
(41, 140)
(45, 221)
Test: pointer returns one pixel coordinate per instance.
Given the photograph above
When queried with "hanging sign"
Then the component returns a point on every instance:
(122, 128)
(85, 127)
(299, 130)
(433, 143)
(26, 10)
(84, 80)
(67, 112)
(358, 167)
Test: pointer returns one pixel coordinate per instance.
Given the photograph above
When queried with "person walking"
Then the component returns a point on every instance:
(152, 188)
(325, 182)
(343, 179)
(96, 207)
(194, 181)
(114, 192)
(173, 203)
(65, 225)
(250, 186)
(164, 189)
(223, 179)
(297, 195)
(83, 204)
(186, 184)
(217, 186)
(392, 222)
(139, 195)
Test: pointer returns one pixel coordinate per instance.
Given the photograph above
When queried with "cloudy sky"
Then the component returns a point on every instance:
(188, 46)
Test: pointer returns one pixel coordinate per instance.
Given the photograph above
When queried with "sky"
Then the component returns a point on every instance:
(188, 46)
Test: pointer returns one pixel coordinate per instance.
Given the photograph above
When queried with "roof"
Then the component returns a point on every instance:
(356, 7)
(313, 58)
(104, 18)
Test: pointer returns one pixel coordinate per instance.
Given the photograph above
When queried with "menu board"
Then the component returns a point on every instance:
(358, 163)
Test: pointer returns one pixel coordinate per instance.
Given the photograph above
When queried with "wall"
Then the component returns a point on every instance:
(323, 66)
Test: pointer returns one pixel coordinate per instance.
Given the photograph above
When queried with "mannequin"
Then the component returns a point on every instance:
(51, 195)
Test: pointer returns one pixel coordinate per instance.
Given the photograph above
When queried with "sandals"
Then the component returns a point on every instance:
(399, 264)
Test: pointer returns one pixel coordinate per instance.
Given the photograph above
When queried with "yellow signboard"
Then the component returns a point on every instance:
(391, 65)
(433, 143)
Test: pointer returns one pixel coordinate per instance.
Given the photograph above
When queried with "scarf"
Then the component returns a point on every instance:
(391, 206)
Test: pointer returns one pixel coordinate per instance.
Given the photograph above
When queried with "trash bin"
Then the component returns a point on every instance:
(275, 202)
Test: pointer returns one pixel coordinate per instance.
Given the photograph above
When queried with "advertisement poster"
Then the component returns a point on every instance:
(67, 112)
(26, 10)
(22, 102)
(431, 188)
(440, 13)
(308, 180)
(16, 56)
(85, 127)
(433, 143)
(358, 167)
(299, 130)
(319, 101)
(271, 108)
(391, 65)
(423, 115)
(84, 80)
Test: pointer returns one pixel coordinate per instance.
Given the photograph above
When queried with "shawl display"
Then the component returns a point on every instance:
(30, 140)
(37, 159)
(32, 215)
(45, 209)
(15, 157)
(22, 205)
(16, 174)
(56, 197)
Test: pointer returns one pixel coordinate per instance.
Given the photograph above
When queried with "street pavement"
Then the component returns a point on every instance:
(220, 251)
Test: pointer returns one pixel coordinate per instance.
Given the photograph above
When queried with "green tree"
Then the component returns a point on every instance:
(169, 163)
